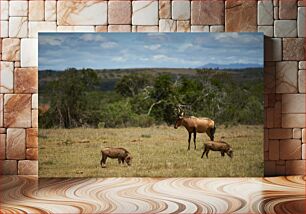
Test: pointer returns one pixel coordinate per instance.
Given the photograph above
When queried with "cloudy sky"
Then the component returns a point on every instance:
(138, 50)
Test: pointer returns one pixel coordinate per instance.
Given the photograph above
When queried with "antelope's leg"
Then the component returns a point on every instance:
(119, 160)
(203, 152)
(189, 138)
(103, 160)
(207, 153)
(195, 138)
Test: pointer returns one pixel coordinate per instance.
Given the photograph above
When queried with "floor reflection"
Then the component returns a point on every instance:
(139, 195)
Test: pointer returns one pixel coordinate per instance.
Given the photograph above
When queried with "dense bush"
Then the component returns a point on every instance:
(76, 98)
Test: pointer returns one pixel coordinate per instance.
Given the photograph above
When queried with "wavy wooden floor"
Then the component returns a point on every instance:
(153, 195)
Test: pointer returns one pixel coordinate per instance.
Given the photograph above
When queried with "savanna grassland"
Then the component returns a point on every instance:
(158, 151)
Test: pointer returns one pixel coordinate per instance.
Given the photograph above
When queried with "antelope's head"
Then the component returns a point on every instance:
(180, 117)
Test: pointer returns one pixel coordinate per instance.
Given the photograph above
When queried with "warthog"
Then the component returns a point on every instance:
(115, 153)
(221, 146)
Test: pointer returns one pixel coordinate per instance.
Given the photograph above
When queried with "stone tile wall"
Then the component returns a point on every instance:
(282, 21)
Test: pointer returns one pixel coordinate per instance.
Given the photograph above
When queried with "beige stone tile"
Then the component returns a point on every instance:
(39, 26)
(164, 9)
(266, 30)
(15, 145)
(280, 133)
(32, 154)
(119, 12)
(302, 65)
(1, 110)
(32, 138)
(50, 10)
(28, 167)
(293, 49)
(167, 25)
(239, 16)
(4, 29)
(199, 28)
(26, 80)
(270, 168)
(290, 149)
(183, 26)
(18, 8)
(36, 10)
(6, 77)
(75, 29)
(301, 83)
(145, 13)
(278, 114)
(35, 118)
(207, 12)
(17, 64)
(273, 150)
(101, 28)
(304, 135)
(273, 49)
(119, 28)
(301, 3)
(2, 146)
(293, 120)
(285, 28)
(301, 22)
(293, 103)
(275, 3)
(275, 13)
(29, 58)
(146, 28)
(180, 10)
(4, 9)
(280, 170)
(286, 77)
(269, 118)
(34, 101)
(303, 151)
(17, 110)
(269, 77)
(134, 29)
(216, 28)
(18, 27)
(265, 12)
(8, 167)
(297, 133)
(295, 167)
(287, 9)
(89, 12)
(2, 130)
(11, 49)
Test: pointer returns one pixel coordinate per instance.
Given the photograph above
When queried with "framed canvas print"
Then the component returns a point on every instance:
(150, 104)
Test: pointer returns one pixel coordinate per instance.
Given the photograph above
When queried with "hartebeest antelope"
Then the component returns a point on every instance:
(196, 125)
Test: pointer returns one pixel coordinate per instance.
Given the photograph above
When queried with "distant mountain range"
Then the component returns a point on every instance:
(231, 66)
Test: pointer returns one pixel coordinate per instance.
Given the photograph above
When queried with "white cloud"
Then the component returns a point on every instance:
(143, 59)
(185, 46)
(51, 40)
(152, 47)
(226, 36)
(92, 38)
(164, 58)
(109, 45)
(120, 59)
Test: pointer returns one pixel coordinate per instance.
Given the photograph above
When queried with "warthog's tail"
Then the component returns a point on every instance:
(212, 133)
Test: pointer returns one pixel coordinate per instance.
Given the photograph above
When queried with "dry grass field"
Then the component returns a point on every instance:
(159, 151)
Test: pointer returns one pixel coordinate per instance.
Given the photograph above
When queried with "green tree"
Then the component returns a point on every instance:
(68, 97)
